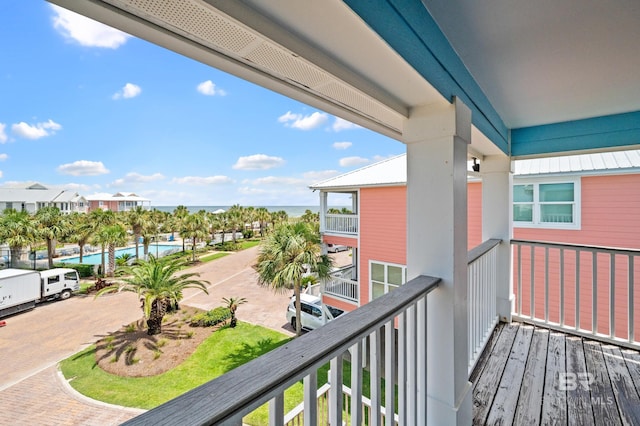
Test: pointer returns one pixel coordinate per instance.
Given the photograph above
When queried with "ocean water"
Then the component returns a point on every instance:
(292, 211)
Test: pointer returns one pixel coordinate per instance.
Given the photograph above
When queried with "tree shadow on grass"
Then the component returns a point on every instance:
(248, 352)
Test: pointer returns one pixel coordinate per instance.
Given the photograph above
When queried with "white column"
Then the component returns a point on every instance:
(497, 215)
(437, 137)
(323, 211)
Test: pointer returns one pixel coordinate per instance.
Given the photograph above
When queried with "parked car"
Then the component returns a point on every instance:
(313, 312)
(335, 248)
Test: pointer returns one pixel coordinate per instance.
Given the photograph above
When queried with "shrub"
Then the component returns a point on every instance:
(211, 318)
(84, 270)
(229, 246)
(247, 233)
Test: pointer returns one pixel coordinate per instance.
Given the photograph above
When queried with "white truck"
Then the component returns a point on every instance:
(21, 289)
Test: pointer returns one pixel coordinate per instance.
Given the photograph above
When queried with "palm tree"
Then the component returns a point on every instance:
(233, 303)
(310, 216)
(236, 219)
(194, 227)
(213, 219)
(51, 225)
(101, 219)
(180, 213)
(158, 287)
(263, 216)
(80, 231)
(287, 255)
(137, 219)
(18, 230)
(115, 235)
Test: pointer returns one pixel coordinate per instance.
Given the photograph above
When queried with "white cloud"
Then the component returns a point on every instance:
(36, 131)
(3, 134)
(83, 168)
(203, 180)
(258, 162)
(307, 122)
(208, 88)
(341, 124)
(277, 180)
(3, 157)
(79, 187)
(85, 31)
(129, 91)
(319, 176)
(342, 145)
(377, 158)
(136, 178)
(352, 161)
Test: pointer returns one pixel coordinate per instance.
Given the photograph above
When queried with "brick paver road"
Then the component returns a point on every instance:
(32, 343)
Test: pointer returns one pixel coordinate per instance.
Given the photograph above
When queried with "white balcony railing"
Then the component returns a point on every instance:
(341, 223)
(342, 288)
(397, 318)
(585, 290)
(295, 417)
(343, 285)
(481, 281)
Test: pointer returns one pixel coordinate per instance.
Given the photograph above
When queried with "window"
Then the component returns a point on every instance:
(9, 205)
(385, 277)
(547, 204)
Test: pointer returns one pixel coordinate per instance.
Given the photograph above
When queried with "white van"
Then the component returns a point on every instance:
(313, 312)
(336, 248)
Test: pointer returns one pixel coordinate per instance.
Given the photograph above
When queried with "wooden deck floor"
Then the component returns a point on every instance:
(533, 376)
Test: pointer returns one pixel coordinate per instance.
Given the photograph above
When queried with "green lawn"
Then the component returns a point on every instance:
(214, 256)
(224, 350)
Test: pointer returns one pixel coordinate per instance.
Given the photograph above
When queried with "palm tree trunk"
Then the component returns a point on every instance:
(112, 260)
(102, 260)
(154, 323)
(50, 251)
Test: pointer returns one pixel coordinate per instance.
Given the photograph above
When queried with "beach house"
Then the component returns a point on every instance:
(33, 197)
(118, 202)
(455, 80)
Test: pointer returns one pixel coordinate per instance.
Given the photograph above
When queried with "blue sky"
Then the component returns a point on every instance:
(88, 108)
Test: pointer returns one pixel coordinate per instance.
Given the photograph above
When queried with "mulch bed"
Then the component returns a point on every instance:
(131, 352)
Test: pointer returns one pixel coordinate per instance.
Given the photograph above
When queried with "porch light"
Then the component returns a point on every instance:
(476, 165)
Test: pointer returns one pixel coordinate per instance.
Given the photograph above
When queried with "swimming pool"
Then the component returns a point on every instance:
(95, 258)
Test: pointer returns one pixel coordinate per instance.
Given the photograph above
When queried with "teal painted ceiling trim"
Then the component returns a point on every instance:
(409, 29)
(600, 132)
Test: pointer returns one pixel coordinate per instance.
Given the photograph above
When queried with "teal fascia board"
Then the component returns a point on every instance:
(593, 133)
(408, 28)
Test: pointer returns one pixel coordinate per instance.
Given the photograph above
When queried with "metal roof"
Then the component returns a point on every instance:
(600, 163)
(389, 172)
(37, 193)
(393, 171)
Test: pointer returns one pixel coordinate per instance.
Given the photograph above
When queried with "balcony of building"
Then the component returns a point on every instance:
(339, 221)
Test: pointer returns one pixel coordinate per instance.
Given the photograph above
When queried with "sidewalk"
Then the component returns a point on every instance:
(31, 390)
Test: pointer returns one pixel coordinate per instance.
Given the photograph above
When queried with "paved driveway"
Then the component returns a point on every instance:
(34, 342)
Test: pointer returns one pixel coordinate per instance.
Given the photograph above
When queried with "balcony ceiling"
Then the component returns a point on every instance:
(540, 77)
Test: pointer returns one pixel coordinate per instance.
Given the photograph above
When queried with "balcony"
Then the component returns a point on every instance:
(342, 224)
(520, 373)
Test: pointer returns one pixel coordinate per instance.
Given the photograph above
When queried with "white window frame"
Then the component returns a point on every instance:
(386, 277)
(536, 223)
